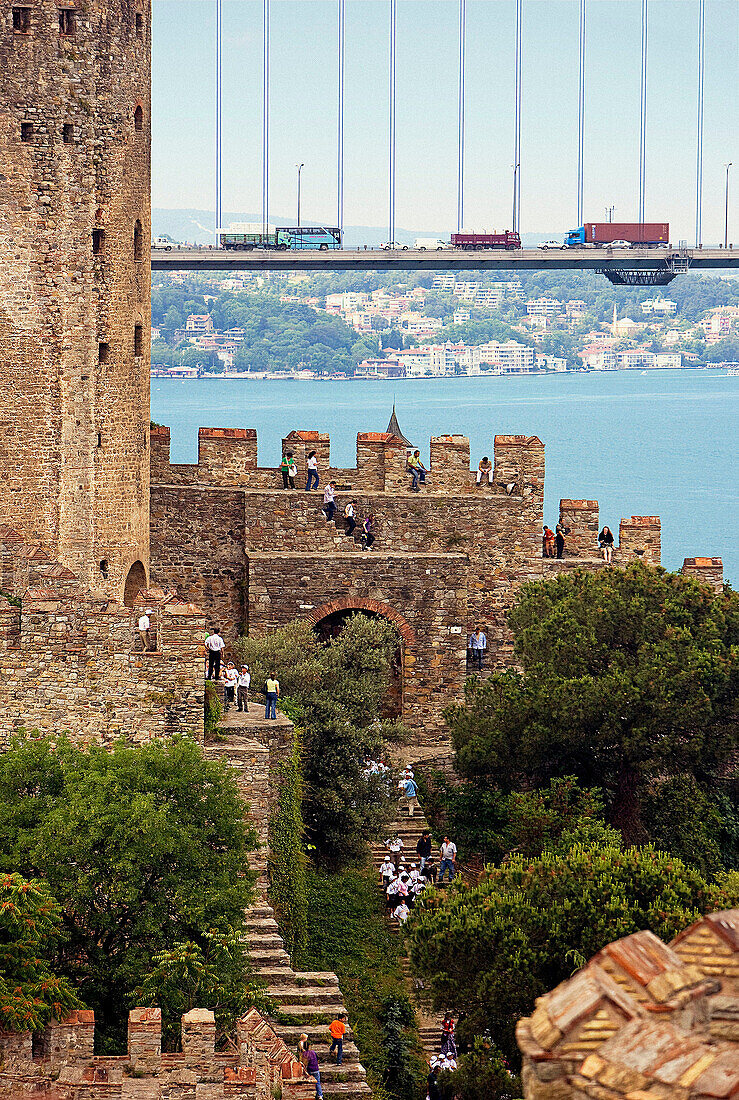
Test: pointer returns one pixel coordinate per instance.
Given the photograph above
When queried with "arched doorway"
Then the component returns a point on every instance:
(135, 581)
(329, 620)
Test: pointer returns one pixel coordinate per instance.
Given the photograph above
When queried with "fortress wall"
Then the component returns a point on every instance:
(199, 539)
(69, 661)
(708, 571)
(640, 538)
(428, 593)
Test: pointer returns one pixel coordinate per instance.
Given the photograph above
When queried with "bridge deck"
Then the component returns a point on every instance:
(450, 259)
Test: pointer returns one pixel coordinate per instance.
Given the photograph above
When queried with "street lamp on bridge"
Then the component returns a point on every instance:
(300, 168)
(726, 206)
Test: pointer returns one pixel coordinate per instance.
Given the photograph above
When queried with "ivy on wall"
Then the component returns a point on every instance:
(287, 860)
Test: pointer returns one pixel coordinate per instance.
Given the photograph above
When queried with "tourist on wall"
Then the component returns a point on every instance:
(311, 1067)
(448, 855)
(272, 693)
(368, 534)
(312, 468)
(560, 539)
(605, 541)
(242, 689)
(144, 631)
(288, 469)
(337, 1029)
(410, 789)
(548, 542)
(350, 517)
(418, 471)
(423, 849)
(447, 1035)
(485, 469)
(231, 679)
(478, 643)
(329, 504)
(215, 645)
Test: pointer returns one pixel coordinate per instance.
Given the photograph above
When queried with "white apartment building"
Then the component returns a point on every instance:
(510, 356)
(416, 324)
(720, 323)
(489, 296)
(543, 307)
(663, 307)
(575, 307)
(461, 316)
(551, 362)
(444, 280)
(467, 292)
(429, 359)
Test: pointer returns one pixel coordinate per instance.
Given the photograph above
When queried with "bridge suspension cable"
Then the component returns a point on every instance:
(699, 142)
(643, 110)
(581, 117)
(265, 116)
(461, 114)
(517, 124)
(391, 166)
(219, 117)
(340, 119)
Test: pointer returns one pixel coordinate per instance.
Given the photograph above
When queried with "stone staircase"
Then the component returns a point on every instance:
(304, 1001)
(410, 829)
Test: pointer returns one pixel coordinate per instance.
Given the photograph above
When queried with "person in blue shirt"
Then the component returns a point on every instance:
(411, 793)
(478, 644)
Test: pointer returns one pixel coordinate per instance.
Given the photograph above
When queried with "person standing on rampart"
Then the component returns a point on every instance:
(485, 469)
(215, 645)
(312, 467)
(144, 631)
(548, 542)
(272, 694)
(329, 504)
(242, 689)
(288, 469)
(418, 471)
(231, 678)
(560, 539)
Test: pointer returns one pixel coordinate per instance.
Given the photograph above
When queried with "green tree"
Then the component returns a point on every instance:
(489, 950)
(335, 692)
(625, 676)
(31, 994)
(142, 847)
(482, 1074)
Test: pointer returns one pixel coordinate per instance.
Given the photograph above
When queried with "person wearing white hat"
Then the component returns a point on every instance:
(144, 631)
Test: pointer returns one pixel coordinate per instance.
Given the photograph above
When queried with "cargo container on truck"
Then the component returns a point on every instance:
(477, 241)
(599, 234)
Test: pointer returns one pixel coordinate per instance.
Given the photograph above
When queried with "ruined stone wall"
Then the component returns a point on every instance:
(75, 282)
(60, 1064)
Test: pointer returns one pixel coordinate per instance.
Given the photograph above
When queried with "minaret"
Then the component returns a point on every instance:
(614, 323)
(75, 283)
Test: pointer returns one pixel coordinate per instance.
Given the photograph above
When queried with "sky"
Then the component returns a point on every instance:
(303, 111)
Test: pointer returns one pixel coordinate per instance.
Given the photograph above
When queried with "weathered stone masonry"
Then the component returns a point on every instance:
(227, 537)
(75, 283)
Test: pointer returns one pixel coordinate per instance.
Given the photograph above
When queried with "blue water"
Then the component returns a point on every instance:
(664, 443)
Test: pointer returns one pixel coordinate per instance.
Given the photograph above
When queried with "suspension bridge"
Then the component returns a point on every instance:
(632, 266)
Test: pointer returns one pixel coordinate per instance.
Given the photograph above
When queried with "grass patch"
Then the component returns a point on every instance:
(347, 933)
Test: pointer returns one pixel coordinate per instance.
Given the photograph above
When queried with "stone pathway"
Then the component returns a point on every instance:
(305, 1001)
(410, 830)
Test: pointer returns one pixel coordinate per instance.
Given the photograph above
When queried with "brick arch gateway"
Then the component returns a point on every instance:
(328, 621)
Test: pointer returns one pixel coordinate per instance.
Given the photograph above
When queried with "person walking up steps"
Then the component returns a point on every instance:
(272, 692)
(410, 788)
(311, 1067)
(337, 1028)
(423, 849)
(312, 467)
(329, 504)
(350, 517)
(448, 855)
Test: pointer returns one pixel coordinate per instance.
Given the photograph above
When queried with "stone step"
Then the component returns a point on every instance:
(346, 1072)
(306, 995)
(278, 977)
(269, 957)
(262, 941)
(313, 1015)
(260, 911)
(261, 924)
(317, 1033)
(350, 1090)
(317, 977)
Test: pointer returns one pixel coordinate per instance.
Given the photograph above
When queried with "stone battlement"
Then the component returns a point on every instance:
(227, 457)
(60, 1063)
(72, 660)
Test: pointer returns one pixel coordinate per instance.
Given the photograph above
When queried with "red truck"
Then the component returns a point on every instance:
(477, 241)
(598, 234)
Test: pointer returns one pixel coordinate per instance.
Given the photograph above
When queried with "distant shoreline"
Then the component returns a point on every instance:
(282, 376)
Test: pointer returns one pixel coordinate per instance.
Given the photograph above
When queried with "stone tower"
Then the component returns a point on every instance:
(75, 283)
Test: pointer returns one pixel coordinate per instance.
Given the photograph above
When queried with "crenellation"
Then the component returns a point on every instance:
(145, 1039)
(708, 571)
(449, 464)
(640, 537)
(580, 522)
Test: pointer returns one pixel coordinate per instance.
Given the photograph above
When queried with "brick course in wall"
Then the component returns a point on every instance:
(75, 285)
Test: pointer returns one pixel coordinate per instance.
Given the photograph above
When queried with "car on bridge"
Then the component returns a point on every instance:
(551, 244)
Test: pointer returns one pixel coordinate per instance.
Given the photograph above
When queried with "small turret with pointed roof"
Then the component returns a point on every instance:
(394, 429)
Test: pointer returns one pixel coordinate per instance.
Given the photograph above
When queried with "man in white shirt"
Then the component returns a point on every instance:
(329, 504)
(350, 517)
(402, 912)
(448, 853)
(242, 689)
(215, 645)
(395, 846)
(387, 870)
(231, 678)
(144, 624)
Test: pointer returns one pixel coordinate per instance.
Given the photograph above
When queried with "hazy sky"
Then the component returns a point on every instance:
(304, 97)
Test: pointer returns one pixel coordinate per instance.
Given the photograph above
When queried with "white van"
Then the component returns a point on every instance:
(430, 244)
(162, 242)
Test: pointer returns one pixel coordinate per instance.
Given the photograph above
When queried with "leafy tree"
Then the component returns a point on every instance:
(482, 1074)
(143, 848)
(489, 950)
(31, 994)
(626, 676)
(335, 692)
(723, 351)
